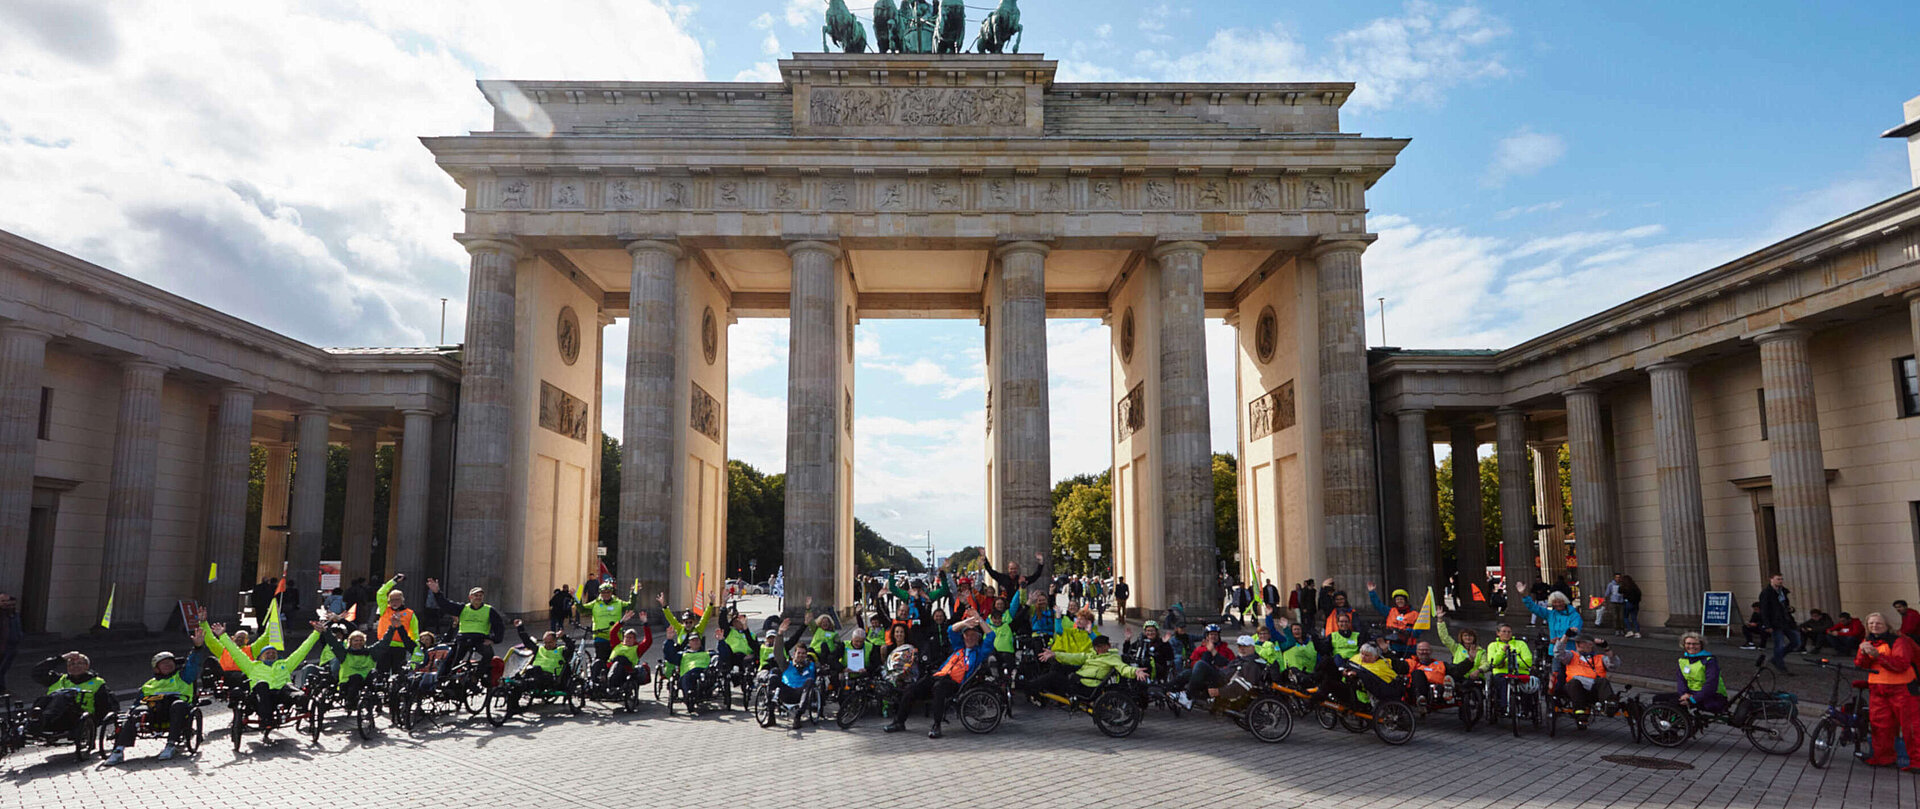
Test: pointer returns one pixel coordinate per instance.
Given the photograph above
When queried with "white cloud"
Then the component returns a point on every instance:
(800, 13)
(1523, 210)
(1417, 56)
(1103, 30)
(764, 21)
(249, 155)
(1523, 154)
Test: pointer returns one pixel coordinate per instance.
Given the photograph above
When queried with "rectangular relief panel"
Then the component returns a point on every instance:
(1271, 413)
(563, 412)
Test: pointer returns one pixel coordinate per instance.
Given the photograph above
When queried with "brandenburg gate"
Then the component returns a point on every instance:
(911, 186)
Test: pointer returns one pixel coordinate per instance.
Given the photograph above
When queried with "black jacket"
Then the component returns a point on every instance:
(1776, 608)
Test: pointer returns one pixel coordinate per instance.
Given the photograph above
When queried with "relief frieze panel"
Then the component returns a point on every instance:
(925, 194)
(916, 106)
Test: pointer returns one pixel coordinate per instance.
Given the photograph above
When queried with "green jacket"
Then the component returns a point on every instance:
(1003, 637)
(1478, 658)
(279, 673)
(680, 632)
(1071, 639)
(352, 663)
(1497, 656)
(607, 613)
(1094, 667)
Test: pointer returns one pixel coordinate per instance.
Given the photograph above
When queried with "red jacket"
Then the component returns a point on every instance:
(1910, 623)
(1851, 629)
(1897, 660)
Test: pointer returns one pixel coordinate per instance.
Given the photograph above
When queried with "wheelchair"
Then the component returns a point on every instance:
(811, 706)
(711, 686)
(517, 693)
(297, 708)
(153, 726)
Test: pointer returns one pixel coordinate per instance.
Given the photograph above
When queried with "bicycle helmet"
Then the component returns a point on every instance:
(1245, 640)
(1213, 627)
(607, 587)
(168, 656)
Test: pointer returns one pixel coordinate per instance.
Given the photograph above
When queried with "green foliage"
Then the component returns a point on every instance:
(1083, 516)
(609, 537)
(872, 552)
(756, 519)
(1226, 506)
(964, 560)
(1489, 510)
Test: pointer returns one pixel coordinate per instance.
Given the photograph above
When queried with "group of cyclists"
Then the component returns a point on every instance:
(916, 644)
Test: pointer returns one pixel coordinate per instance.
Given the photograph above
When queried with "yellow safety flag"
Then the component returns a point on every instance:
(213, 571)
(1425, 621)
(275, 636)
(689, 569)
(106, 618)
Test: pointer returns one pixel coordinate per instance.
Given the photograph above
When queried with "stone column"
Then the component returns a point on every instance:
(395, 469)
(309, 506)
(409, 538)
(227, 500)
(1913, 321)
(136, 456)
(484, 441)
(1802, 509)
(1683, 523)
(1348, 500)
(1551, 510)
(273, 510)
(1186, 448)
(356, 529)
(1593, 525)
(1022, 446)
(1417, 482)
(647, 463)
(1469, 520)
(23, 352)
(1516, 506)
(813, 418)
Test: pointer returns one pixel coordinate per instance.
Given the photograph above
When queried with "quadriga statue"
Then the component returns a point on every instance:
(843, 28)
(1000, 29)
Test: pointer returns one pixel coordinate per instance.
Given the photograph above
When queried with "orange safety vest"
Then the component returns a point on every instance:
(1879, 676)
(1578, 666)
(403, 617)
(956, 667)
(226, 658)
(1436, 671)
(1333, 619)
(1402, 619)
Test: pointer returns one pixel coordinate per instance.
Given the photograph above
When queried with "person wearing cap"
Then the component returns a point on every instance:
(270, 678)
(624, 660)
(396, 626)
(969, 639)
(1402, 617)
(738, 648)
(476, 629)
(1581, 673)
(355, 663)
(919, 604)
(796, 666)
(1207, 664)
(681, 634)
(168, 694)
(1090, 668)
(1152, 651)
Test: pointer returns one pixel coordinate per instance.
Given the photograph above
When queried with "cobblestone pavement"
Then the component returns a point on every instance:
(1039, 759)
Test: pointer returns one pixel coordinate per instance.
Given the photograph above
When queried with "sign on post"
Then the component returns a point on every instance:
(1716, 609)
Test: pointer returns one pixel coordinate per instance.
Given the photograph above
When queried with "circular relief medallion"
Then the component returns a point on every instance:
(569, 335)
(1126, 336)
(1266, 334)
(709, 335)
(849, 334)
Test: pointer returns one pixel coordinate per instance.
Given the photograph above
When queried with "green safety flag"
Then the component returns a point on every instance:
(271, 628)
(213, 571)
(106, 618)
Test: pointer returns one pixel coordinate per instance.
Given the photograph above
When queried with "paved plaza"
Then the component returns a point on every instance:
(1040, 759)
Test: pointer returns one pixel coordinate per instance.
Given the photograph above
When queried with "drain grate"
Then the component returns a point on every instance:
(1648, 762)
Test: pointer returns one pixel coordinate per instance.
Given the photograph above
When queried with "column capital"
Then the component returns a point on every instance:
(1911, 294)
(1668, 365)
(1545, 445)
(806, 245)
(313, 410)
(657, 244)
(238, 390)
(19, 329)
(420, 411)
(1780, 333)
(364, 425)
(1341, 243)
(477, 243)
(1409, 412)
(1508, 410)
(1580, 391)
(1184, 245)
(143, 367)
(1023, 245)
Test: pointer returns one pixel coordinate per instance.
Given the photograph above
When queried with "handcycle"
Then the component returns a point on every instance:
(811, 706)
(1468, 698)
(153, 725)
(15, 719)
(1114, 704)
(1343, 703)
(1155, 694)
(1770, 720)
(296, 708)
(710, 686)
(1843, 723)
(1513, 696)
(1621, 705)
(863, 695)
(1250, 704)
(516, 693)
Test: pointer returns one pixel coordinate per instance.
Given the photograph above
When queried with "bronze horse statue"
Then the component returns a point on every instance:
(886, 36)
(1002, 26)
(953, 27)
(844, 28)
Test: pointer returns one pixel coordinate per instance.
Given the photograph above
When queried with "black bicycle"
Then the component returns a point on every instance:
(1769, 719)
(1843, 724)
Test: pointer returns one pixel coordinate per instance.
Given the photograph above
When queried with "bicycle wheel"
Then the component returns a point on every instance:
(659, 684)
(499, 705)
(1665, 725)
(765, 711)
(1393, 722)
(1472, 708)
(1353, 722)
(980, 711)
(1778, 737)
(198, 734)
(1269, 720)
(367, 718)
(1328, 718)
(852, 707)
(1635, 709)
(1825, 737)
(316, 713)
(1116, 714)
(239, 726)
(473, 694)
(86, 739)
(1553, 719)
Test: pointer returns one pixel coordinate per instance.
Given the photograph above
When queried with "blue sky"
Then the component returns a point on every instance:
(1565, 157)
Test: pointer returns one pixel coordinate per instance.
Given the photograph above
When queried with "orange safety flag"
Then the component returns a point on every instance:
(352, 612)
(1477, 595)
(1594, 602)
(281, 586)
(702, 586)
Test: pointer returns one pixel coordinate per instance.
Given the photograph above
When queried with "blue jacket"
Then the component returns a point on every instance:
(975, 655)
(1557, 622)
(797, 677)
